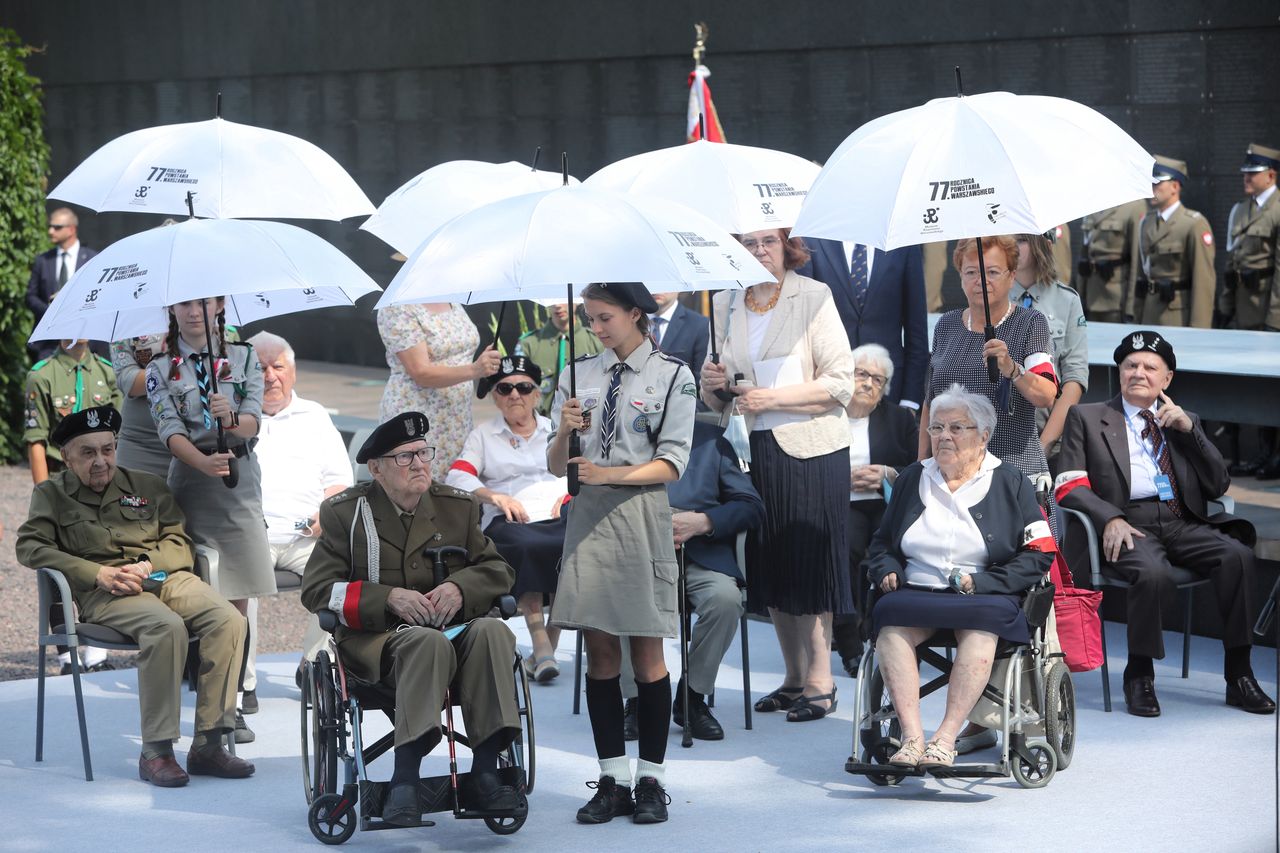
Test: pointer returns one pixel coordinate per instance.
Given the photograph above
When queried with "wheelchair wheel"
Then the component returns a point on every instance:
(884, 737)
(1060, 713)
(332, 820)
(320, 710)
(1037, 773)
(505, 825)
(524, 743)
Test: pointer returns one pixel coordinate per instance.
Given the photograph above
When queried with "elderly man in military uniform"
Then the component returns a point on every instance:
(548, 347)
(71, 379)
(1177, 283)
(117, 535)
(371, 568)
(1108, 267)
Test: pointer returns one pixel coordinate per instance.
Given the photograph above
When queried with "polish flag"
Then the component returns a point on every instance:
(701, 106)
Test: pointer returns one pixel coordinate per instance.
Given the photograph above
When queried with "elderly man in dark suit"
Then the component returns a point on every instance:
(680, 331)
(53, 268)
(881, 300)
(1143, 470)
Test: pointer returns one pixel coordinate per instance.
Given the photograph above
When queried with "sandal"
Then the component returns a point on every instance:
(545, 669)
(805, 710)
(909, 754)
(937, 755)
(778, 700)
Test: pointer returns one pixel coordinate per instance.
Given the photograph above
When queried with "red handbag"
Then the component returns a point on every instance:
(1076, 615)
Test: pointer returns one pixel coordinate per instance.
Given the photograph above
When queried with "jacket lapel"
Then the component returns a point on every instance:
(1115, 435)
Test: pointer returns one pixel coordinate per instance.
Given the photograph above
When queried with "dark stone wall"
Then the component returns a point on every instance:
(392, 87)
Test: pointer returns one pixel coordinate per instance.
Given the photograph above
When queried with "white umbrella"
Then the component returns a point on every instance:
(422, 204)
(263, 268)
(973, 166)
(739, 187)
(234, 171)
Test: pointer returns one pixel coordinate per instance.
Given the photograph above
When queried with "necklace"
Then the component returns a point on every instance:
(751, 303)
(968, 318)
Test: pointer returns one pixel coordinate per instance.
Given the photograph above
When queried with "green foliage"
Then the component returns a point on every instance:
(24, 164)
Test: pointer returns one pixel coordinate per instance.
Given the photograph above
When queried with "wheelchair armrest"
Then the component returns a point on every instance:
(1224, 503)
(206, 566)
(1093, 549)
(328, 620)
(48, 583)
(505, 605)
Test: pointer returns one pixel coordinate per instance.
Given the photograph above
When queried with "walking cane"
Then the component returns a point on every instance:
(686, 739)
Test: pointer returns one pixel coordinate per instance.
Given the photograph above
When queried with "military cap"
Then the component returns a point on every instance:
(1259, 158)
(1145, 340)
(631, 294)
(406, 426)
(1168, 169)
(97, 419)
(511, 365)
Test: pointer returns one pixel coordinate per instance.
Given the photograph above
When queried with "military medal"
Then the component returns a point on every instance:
(133, 501)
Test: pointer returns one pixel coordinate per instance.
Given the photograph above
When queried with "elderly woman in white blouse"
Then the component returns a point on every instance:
(503, 462)
(961, 541)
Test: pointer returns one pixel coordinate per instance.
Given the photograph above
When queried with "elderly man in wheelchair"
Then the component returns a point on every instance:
(961, 544)
(404, 567)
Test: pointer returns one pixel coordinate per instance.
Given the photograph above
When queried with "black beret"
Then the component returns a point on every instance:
(1145, 340)
(406, 426)
(511, 365)
(97, 419)
(632, 294)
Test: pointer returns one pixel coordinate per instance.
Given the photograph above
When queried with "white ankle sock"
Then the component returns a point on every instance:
(619, 768)
(647, 768)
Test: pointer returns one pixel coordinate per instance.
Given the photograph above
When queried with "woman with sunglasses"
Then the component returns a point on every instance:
(504, 463)
(634, 414)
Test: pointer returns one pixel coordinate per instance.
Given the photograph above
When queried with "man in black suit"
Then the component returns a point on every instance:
(711, 503)
(881, 300)
(53, 268)
(680, 331)
(1143, 470)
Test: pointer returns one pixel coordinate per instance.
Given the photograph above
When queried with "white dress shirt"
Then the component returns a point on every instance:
(1143, 469)
(860, 454)
(494, 457)
(945, 536)
(301, 454)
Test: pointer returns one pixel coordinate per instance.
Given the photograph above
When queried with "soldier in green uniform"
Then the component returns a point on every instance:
(1177, 282)
(118, 537)
(1108, 267)
(71, 379)
(369, 568)
(548, 348)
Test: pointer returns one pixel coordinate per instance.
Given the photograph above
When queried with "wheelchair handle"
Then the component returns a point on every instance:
(438, 556)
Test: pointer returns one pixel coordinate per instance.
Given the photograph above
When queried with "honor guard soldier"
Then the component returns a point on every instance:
(1177, 282)
(548, 347)
(71, 379)
(1108, 267)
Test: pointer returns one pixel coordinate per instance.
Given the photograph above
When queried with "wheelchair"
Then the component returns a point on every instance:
(333, 706)
(1029, 692)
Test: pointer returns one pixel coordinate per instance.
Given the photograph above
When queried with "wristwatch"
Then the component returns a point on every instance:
(954, 581)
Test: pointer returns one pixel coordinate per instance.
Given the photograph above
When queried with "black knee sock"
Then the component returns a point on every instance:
(1138, 667)
(408, 758)
(1235, 662)
(653, 716)
(604, 706)
(484, 755)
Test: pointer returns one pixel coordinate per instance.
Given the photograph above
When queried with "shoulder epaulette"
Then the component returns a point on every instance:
(666, 356)
(39, 364)
(447, 491)
(350, 493)
(1066, 287)
(588, 356)
(107, 362)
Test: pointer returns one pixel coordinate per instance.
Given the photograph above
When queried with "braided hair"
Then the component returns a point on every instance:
(225, 372)
(171, 346)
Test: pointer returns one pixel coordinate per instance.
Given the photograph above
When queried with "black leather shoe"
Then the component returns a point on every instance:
(162, 771)
(401, 806)
(486, 793)
(631, 720)
(651, 802)
(216, 761)
(702, 724)
(611, 800)
(1246, 468)
(104, 665)
(1140, 696)
(1244, 693)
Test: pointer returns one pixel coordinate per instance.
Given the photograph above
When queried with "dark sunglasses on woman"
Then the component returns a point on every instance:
(505, 388)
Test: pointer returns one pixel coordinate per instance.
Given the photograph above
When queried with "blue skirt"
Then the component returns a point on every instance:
(533, 550)
(916, 608)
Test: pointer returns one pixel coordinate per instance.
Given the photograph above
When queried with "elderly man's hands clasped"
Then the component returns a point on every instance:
(433, 609)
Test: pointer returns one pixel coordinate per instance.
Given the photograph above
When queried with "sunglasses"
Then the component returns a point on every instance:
(504, 389)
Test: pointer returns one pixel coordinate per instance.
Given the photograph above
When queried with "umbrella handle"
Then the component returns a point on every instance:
(575, 449)
(993, 368)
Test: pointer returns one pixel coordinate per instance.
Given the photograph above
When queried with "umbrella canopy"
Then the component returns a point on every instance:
(408, 216)
(738, 187)
(235, 171)
(531, 246)
(264, 269)
(973, 166)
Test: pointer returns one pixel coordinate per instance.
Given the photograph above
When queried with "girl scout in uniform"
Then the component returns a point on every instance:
(634, 413)
(185, 411)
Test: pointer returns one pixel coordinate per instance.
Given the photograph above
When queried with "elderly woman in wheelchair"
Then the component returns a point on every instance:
(962, 541)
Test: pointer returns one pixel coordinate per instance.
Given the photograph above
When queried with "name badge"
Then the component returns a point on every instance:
(1164, 489)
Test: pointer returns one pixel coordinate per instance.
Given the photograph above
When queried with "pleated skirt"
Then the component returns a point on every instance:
(797, 561)
(533, 550)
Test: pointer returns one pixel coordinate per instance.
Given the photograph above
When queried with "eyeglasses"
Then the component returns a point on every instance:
(751, 243)
(973, 274)
(876, 379)
(504, 389)
(954, 430)
(405, 458)
(53, 227)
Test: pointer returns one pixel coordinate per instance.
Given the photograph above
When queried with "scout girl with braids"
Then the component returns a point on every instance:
(187, 412)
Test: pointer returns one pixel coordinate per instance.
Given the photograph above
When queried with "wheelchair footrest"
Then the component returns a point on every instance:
(956, 771)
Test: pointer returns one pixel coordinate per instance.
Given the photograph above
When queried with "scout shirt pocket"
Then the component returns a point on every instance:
(644, 415)
(186, 398)
(665, 575)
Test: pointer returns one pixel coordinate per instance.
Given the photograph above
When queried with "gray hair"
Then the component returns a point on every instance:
(877, 355)
(978, 407)
(271, 343)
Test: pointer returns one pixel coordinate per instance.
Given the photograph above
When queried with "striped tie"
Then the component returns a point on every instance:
(1161, 449)
(609, 410)
(202, 382)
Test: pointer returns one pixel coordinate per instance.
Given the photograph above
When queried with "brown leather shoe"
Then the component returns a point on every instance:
(163, 772)
(216, 761)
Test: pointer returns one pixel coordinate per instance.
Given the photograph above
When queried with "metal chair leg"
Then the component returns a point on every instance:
(1106, 677)
(1186, 632)
(84, 726)
(746, 671)
(577, 675)
(40, 705)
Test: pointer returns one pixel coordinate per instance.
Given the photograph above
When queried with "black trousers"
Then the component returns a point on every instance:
(1195, 547)
(864, 518)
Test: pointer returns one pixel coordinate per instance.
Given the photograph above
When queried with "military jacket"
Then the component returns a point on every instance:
(76, 530)
(60, 385)
(1178, 252)
(548, 348)
(1250, 293)
(1111, 250)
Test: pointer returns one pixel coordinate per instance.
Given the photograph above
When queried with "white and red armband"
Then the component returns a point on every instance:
(1068, 480)
(1041, 364)
(1037, 536)
(344, 600)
